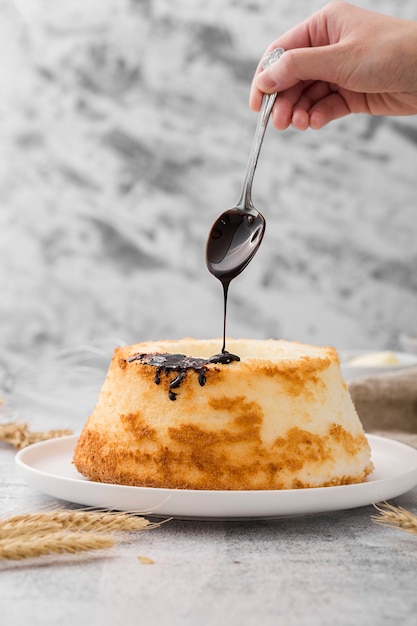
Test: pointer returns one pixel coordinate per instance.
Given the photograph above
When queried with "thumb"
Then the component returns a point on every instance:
(301, 64)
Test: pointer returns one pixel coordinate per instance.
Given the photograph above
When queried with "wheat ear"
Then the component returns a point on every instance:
(395, 517)
(60, 542)
(71, 520)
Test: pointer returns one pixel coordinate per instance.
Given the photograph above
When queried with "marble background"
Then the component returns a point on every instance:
(124, 132)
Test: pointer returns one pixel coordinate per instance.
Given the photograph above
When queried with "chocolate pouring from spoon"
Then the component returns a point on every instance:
(237, 234)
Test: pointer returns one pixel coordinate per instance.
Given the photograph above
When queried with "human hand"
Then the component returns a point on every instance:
(341, 60)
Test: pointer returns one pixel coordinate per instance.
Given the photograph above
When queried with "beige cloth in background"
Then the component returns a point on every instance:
(387, 404)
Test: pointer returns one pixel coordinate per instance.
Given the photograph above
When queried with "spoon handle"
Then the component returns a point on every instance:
(268, 101)
(245, 200)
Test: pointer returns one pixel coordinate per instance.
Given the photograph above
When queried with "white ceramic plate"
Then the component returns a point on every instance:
(48, 467)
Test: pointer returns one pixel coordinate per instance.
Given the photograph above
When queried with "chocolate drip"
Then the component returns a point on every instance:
(224, 358)
(233, 241)
(180, 364)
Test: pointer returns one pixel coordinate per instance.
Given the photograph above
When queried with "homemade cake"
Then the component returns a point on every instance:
(279, 418)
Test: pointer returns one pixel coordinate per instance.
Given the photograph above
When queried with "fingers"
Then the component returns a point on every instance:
(318, 105)
(304, 80)
(283, 110)
(299, 66)
(303, 64)
(264, 80)
(313, 107)
(297, 37)
(328, 109)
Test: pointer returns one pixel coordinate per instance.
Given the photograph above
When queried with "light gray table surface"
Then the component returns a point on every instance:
(330, 568)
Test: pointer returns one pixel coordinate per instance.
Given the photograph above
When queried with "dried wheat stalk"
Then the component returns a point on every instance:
(60, 542)
(71, 520)
(19, 436)
(64, 531)
(396, 517)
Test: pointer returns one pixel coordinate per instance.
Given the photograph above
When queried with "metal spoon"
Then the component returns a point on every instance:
(237, 234)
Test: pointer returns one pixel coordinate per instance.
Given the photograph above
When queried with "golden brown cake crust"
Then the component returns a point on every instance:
(278, 423)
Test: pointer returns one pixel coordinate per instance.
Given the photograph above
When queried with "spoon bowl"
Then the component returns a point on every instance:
(234, 239)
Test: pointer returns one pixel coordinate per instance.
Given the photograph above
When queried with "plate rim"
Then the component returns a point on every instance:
(176, 502)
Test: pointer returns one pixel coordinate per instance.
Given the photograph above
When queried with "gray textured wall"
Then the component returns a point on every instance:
(124, 132)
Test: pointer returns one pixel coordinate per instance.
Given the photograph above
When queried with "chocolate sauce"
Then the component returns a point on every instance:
(224, 357)
(232, 243)
(180, 364)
